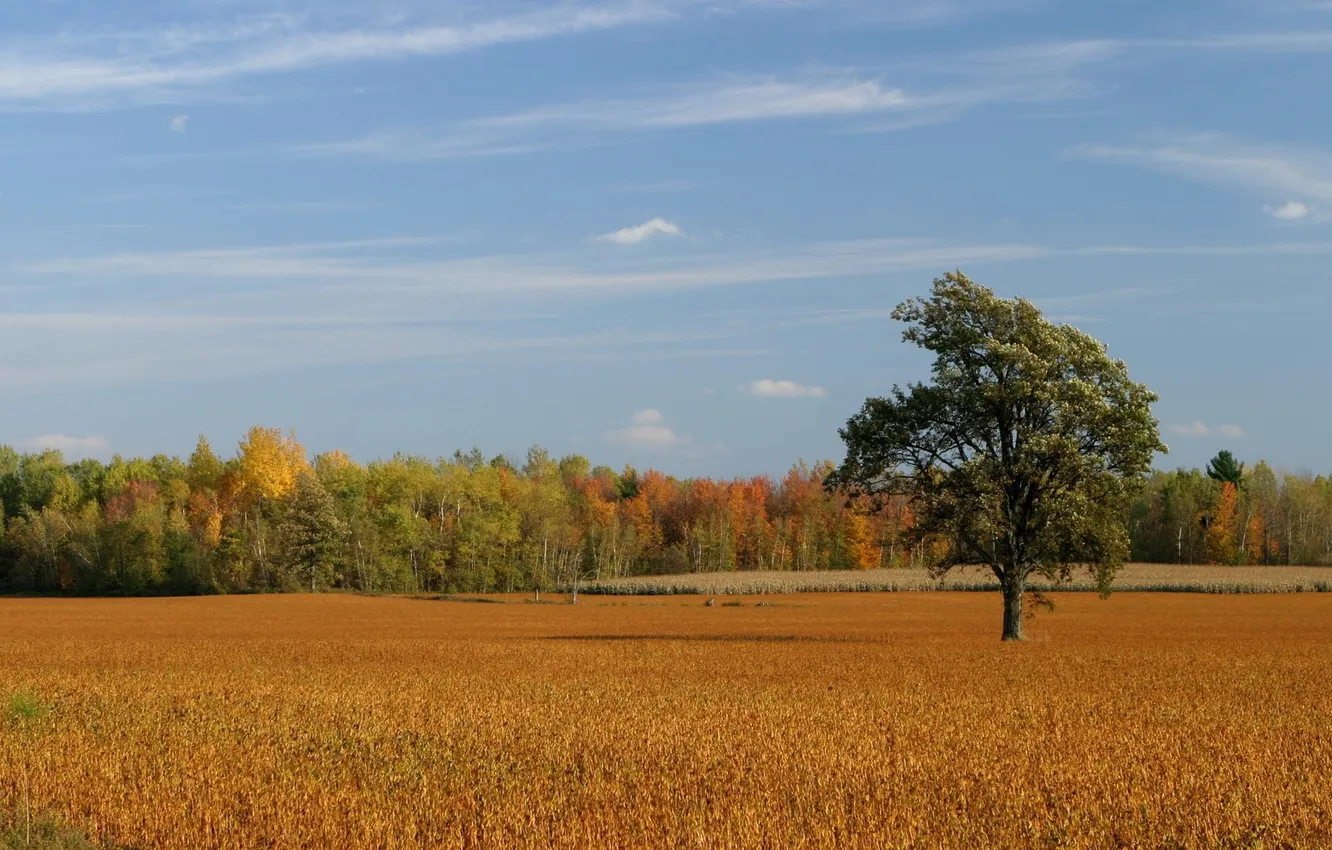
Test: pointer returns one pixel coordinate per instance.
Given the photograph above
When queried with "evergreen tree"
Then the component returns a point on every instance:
(1224, 469)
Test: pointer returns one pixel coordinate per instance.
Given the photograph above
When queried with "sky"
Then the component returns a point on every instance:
(659, 232)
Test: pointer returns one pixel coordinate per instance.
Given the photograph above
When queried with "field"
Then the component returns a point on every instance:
(1162, 578)
(816, 721)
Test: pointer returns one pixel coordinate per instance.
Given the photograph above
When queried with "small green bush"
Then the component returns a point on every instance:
(44, 834)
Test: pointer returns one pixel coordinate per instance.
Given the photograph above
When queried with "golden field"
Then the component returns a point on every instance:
(819, 721)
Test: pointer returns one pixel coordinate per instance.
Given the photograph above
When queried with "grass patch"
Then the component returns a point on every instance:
(44, 833)
(451, 597)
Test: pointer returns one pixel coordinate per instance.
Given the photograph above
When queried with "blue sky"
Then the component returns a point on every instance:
(665, 232)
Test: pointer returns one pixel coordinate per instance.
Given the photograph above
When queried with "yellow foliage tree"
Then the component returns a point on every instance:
(862, 552)
(270, 463)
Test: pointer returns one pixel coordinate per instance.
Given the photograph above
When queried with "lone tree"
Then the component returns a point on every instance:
(1023, 451)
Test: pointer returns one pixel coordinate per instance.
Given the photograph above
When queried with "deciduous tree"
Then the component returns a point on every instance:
(1022, 452)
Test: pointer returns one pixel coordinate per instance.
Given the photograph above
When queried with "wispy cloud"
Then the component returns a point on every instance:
(1199, 429)
(1265, 169)
(175, 63)
(858, 99)
(385, 268)
(768, 388)
(71, 446)
(1312, 41)
(391, 265)
(185, 61)
(642, 232)
(732, 101)
(726, 101)
(179, 123)
(196, 58)
(245, 310)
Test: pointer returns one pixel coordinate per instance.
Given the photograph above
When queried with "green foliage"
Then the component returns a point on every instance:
(574, 468)
(627, 483)
(205, 468)
(1225, 469)
(314, 532)
(1280, 519)
(24, 709)
(16, 833)
(1023, 452)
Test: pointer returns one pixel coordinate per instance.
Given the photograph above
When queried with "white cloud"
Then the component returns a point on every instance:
(651, 416)
(1267, 169)
(642, 232)
(178, 123)
(1290, 211)
(784, 389)
(1193, 429)
(1198, 429)
(649, 431)
(72, 446)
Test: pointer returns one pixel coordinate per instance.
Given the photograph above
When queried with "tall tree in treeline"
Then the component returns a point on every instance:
(1221, 538)
(267, 466)
(314, 531)
(1225, 469)
(1023, 452)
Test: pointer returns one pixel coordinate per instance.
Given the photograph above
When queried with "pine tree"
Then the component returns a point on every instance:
(1225, 468)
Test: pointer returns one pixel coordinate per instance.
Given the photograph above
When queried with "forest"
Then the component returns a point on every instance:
(272, 519)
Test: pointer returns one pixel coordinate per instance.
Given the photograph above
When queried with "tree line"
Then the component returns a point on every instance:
(1227, 514)
(269, 518)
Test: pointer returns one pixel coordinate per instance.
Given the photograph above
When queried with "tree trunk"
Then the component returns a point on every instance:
(1013, 591)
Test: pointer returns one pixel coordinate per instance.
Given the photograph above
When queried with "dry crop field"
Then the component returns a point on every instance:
(1172, 578)
(819, 721)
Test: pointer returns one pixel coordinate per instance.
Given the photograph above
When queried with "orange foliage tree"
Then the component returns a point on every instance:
(1221, 548)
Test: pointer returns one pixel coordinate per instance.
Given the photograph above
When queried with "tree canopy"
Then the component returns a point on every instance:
(1022, 453)
(1225, 469)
